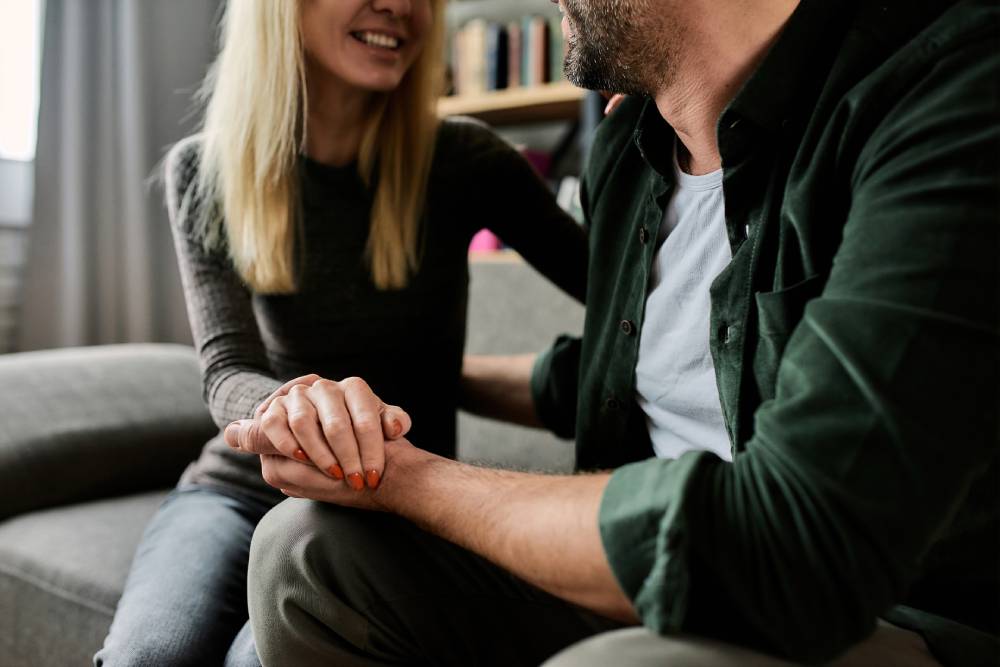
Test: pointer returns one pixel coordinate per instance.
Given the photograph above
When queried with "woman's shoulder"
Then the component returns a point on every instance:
(181, 181)
(465, 138)
(180, 167)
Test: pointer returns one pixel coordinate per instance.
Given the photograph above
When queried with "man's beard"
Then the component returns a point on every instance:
(606, 50)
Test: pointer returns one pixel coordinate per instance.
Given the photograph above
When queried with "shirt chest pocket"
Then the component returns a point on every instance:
(778, 313)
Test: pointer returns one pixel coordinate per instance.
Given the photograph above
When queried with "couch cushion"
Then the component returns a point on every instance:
(513, 310)
(61, 574)
(87, 423)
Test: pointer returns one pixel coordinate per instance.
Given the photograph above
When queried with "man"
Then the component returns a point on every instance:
(791, 361)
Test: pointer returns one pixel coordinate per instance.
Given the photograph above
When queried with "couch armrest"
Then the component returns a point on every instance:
(93, 422)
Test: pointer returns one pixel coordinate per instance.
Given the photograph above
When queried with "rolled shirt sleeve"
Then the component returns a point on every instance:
(555, 380)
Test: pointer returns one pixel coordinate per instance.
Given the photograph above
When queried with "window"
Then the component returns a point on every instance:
(20, 59)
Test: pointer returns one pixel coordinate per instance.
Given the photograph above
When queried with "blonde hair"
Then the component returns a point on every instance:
(254, 131)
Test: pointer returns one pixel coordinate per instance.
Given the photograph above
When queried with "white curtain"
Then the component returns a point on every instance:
(117, 81)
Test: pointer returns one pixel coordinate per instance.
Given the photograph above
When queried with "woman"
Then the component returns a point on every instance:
(321, 222)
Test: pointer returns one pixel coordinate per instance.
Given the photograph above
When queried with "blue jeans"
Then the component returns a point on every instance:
(185, 600)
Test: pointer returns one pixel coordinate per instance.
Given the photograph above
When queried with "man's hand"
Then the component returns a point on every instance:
(338, 427)
(301, 480)
(542, 528)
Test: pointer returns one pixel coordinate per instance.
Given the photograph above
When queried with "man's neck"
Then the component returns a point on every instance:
(334, 119)
(725, 43)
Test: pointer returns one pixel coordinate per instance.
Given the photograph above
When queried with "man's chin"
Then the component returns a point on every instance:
(581, 78)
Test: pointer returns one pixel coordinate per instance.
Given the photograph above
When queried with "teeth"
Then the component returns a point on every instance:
(378, 39)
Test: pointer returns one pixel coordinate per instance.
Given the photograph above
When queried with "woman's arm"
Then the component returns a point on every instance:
(337, 426)
(499, 387)
(510, 199)
(236, 374)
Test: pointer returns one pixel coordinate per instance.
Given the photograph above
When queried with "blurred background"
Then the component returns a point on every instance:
(92, 94)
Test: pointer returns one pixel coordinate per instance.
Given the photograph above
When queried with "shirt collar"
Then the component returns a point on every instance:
(655, 139)
(787, 83)
(782, 90)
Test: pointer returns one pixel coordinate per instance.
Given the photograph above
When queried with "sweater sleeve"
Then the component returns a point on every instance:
(513, 202)
(236, 374)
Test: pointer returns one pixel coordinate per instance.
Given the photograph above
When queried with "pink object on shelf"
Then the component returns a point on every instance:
(484, 241)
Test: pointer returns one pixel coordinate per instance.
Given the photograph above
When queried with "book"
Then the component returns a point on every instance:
(457, 71)
(474, 57)
(514, 54)
(557, 49)
(526, 52)
(487, 56)
(496, 56)
(539, 50)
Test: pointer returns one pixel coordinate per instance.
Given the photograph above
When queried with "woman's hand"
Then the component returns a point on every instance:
(339, 427)
(614, 100)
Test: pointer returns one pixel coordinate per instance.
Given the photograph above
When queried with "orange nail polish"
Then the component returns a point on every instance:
(354, 479)
(372, 477)
(300, 455)
(336, 471)
(397, 428)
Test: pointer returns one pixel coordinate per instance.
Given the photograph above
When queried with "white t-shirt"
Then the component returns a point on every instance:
(675, 376)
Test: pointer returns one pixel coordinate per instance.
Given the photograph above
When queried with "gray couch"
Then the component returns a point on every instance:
(91, 439)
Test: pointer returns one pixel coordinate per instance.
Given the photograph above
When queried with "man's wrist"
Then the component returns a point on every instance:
(407, 470)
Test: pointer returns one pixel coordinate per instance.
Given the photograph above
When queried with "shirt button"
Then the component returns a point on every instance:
(628, 328)
(643, 235)
(612, 403)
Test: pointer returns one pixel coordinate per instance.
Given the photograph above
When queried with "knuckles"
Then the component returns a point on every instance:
(367, 424)
(334, 426)
(270, 421)
(354, 383)
(300, 419)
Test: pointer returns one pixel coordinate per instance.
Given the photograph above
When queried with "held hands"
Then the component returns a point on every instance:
(299, 480)
(340, 428)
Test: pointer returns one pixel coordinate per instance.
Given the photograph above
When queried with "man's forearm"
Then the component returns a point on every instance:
(500, 388)
(542, 528)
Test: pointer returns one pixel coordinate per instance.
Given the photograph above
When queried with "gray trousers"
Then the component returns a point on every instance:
(890, 646)
(334, 586)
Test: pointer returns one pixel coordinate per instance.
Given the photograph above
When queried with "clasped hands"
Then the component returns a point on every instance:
(322, 439)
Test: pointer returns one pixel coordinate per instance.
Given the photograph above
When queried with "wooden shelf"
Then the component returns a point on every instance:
(506, 256)
(554, 101)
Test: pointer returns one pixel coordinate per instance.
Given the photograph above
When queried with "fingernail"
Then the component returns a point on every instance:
(372, 477)
(300, 455)
(336, 471)
(397, 428)
(355, 481)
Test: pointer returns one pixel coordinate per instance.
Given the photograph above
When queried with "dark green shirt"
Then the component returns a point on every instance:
(855, 335)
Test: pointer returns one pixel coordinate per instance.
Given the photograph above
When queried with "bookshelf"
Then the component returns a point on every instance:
(531, 106)
(527, 101)
(550, 102)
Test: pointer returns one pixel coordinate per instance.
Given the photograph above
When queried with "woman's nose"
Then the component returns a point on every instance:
(393, 7)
